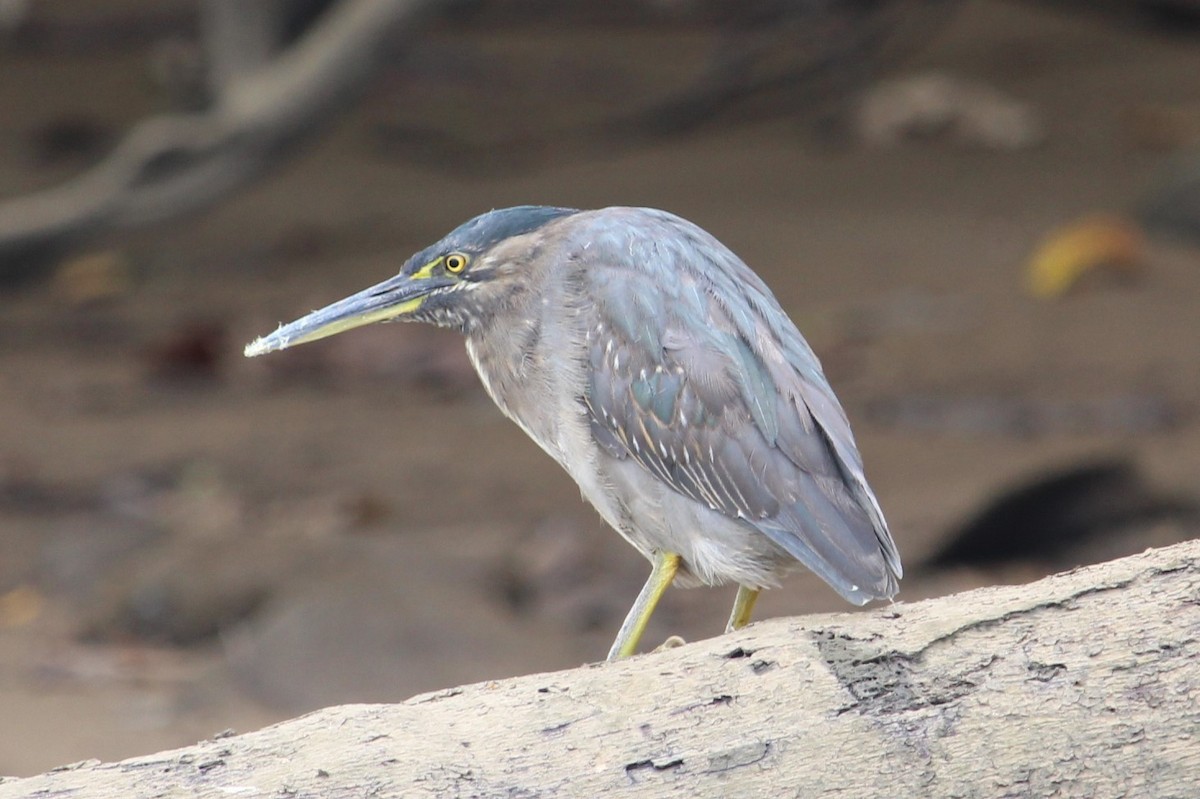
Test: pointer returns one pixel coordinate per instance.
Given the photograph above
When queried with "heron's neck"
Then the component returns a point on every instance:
(524, 354)
(503, 346)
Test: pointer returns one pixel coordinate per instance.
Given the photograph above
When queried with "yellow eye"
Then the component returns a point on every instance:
(455, 262)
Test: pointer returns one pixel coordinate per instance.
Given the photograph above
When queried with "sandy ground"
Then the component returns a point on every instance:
(191, 542)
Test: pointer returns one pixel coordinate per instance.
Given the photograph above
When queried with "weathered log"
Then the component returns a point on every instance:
(1083, 684)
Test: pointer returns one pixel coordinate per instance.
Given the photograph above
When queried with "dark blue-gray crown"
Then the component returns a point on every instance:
(487, 230)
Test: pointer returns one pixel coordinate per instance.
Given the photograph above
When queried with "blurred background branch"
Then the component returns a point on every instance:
(273, 73)
(263, 99)
(264, 94)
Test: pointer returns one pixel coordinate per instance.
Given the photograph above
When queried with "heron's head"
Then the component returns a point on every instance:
(452, 283)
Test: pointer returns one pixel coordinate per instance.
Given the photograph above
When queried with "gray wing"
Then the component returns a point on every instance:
(699, 376)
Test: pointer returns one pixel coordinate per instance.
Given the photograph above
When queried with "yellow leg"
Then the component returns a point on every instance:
(743, 606)
(666, 564)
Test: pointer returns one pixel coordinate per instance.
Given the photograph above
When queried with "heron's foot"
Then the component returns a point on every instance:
(673, 642)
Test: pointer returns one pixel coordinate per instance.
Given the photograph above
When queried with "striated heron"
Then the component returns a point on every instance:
(662, 374)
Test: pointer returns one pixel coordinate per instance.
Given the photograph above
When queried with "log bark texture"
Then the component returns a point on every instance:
(1085, 684)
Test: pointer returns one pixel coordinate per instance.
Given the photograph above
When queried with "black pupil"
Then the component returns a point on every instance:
(455, 263)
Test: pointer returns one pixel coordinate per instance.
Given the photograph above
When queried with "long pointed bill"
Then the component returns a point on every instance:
(391, 299)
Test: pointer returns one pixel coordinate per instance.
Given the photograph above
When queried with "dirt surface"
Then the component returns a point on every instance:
(193, 542)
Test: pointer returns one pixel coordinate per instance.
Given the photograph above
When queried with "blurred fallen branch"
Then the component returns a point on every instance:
(782, 57)
(175, 163)
(1083, 684)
